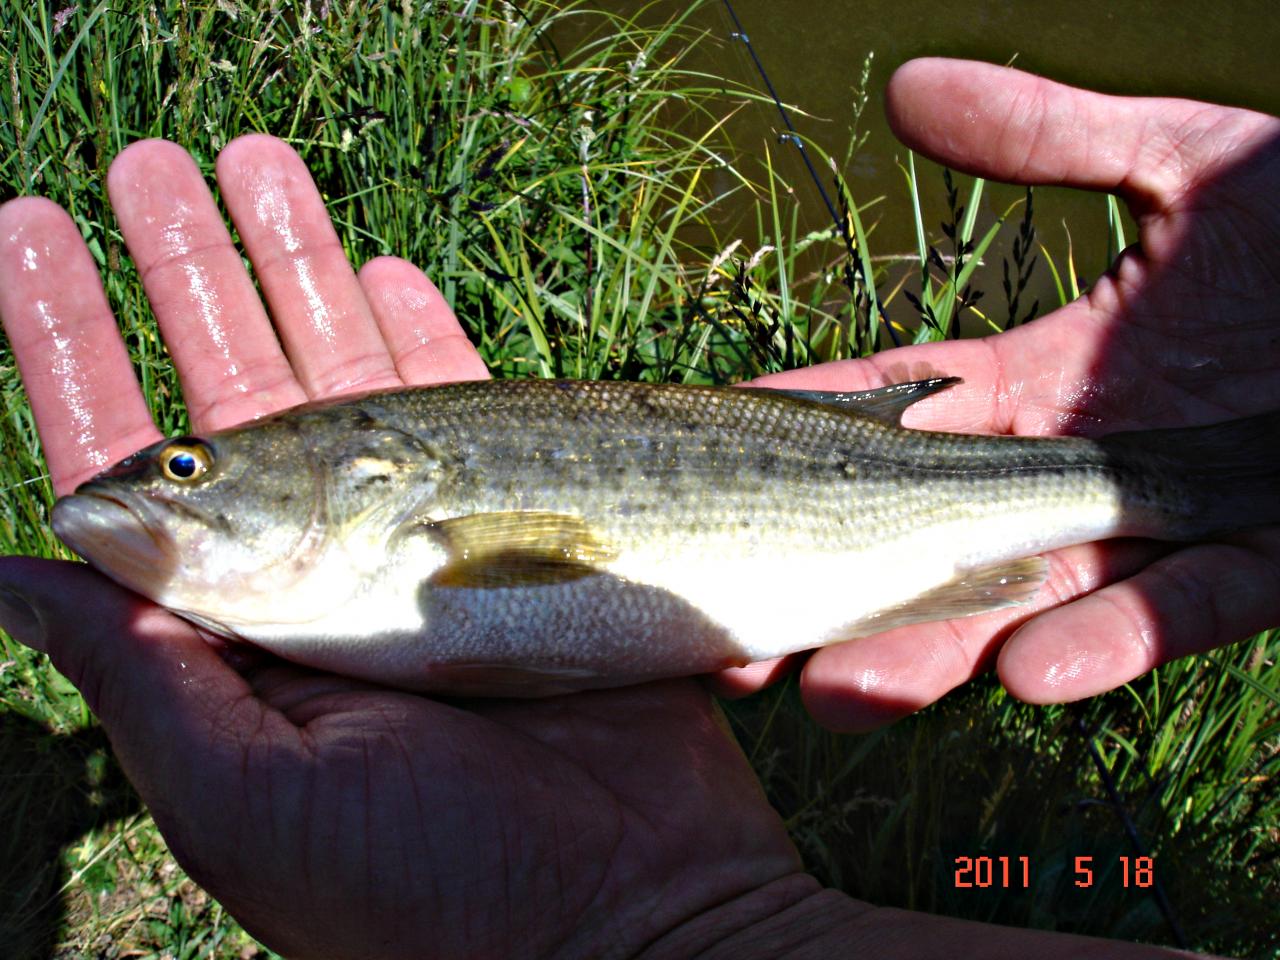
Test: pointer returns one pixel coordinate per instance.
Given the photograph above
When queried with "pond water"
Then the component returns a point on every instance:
(814, 51)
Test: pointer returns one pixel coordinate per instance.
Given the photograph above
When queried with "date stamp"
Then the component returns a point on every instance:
(1014, 873)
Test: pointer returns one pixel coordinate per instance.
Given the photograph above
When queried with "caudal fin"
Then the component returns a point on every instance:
(1205, 480)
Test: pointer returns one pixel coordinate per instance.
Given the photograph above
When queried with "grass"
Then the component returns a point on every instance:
(560, 175)
(885, 816)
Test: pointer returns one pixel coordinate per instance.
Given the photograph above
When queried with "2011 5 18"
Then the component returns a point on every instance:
(1014, 872)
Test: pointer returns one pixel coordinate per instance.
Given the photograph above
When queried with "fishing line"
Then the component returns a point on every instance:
(793, 137)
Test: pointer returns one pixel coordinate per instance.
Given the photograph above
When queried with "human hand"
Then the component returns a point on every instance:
(1184, 329)
(332, 817)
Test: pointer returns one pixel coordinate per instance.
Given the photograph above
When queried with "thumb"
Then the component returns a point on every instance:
(1013, 126)
(159, 690)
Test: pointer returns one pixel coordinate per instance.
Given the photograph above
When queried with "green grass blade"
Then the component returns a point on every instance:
(1057, 278)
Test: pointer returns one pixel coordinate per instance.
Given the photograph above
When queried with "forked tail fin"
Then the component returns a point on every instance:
(1199, 481)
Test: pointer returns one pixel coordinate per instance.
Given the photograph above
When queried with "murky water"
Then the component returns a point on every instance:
(814, 52)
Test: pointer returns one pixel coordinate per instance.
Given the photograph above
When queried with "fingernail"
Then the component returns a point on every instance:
(18, 619)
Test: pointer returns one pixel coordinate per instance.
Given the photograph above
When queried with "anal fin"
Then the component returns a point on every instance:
(980, 590)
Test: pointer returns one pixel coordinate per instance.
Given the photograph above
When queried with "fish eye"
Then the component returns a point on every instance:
(186, 461)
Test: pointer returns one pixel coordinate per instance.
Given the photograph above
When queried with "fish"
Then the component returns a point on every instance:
(536, 537)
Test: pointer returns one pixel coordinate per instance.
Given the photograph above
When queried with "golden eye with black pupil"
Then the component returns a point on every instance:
(186, 461)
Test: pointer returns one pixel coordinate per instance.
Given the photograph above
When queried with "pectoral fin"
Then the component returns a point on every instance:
(974, 591)
(517, 548)
(507, 570)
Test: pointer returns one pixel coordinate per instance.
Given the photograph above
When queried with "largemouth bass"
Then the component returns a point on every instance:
(534, 537)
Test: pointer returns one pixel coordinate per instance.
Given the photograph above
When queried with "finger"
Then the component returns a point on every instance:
(228, 358)
(1191, 601)
(970, 406)
(1040, 379)
(425, 339)
(87, 404)
(737, 682)
(1009, 125)
(872, 681)
(320, 311)
(1009, 384)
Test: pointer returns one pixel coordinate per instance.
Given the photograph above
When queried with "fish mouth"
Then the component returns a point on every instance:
(118, 535)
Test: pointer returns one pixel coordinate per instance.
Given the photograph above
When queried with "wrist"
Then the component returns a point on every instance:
(786, 916)
(794, 917)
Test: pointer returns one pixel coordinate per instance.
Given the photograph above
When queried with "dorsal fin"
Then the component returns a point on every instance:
(883, 403)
